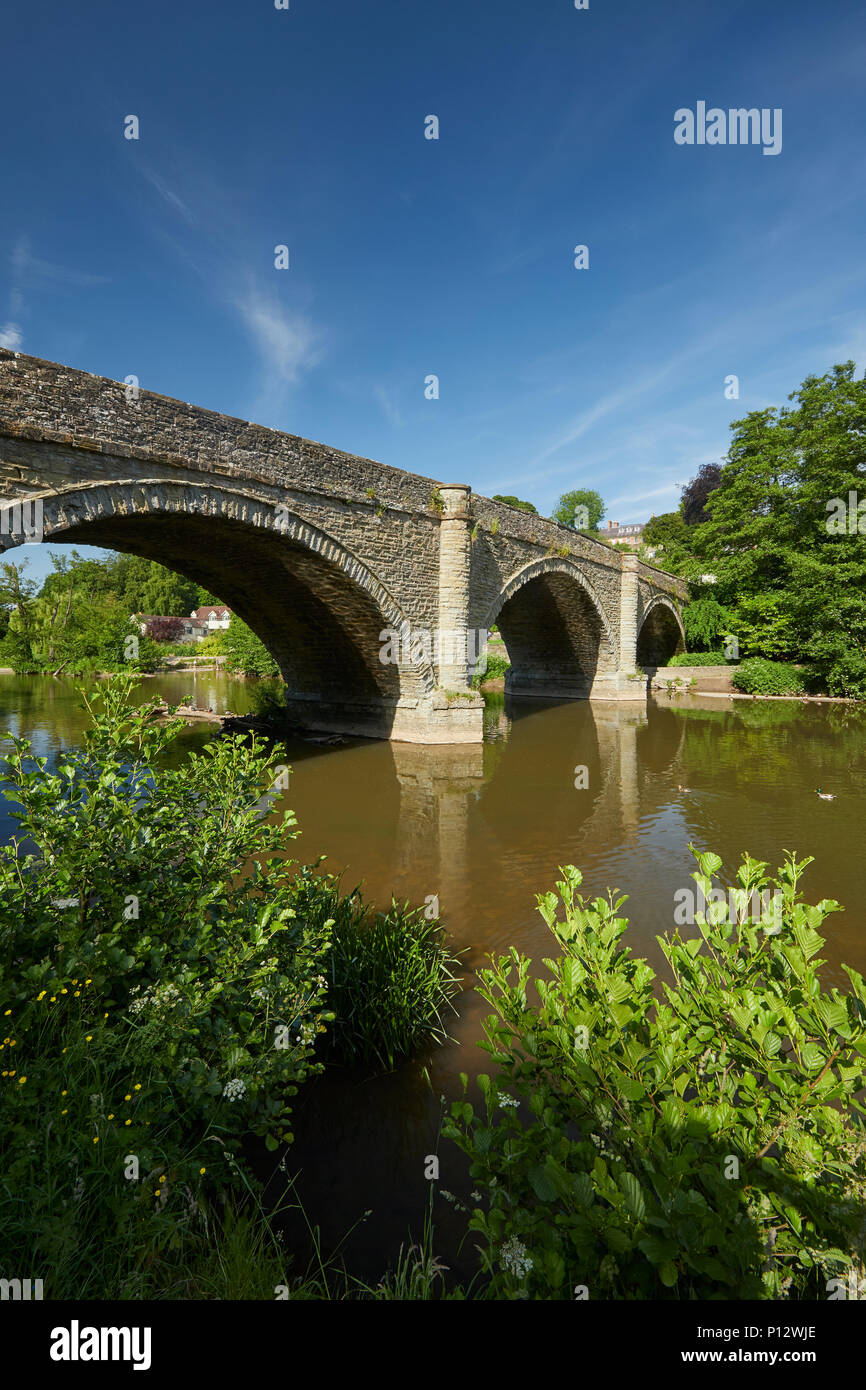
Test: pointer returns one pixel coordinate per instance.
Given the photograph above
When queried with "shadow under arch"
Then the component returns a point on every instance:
(317, 608)
(661, 634)
(556, 632)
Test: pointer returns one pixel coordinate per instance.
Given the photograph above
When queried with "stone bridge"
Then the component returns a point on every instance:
(369, 585)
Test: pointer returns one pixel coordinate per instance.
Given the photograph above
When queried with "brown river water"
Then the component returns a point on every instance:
(484, 829)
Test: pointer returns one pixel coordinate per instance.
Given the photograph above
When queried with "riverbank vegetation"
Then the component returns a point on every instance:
(169, 981)
(706, 1143)
(759, 677)
(781, 527)
(80, 619)
(165, 980)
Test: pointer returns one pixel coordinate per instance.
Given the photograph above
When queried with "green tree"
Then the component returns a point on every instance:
(147, 587)
(705, 622)
(789, 571)
(515, 502)
(247, 652)
(671, 539)
(568, 509)
(17, 594)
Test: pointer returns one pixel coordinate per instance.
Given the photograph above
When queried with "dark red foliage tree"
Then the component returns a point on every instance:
(165, 629)
(696, 492)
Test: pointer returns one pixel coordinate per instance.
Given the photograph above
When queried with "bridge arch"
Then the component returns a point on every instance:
(559, 639)
(661, 634)
(318, 609)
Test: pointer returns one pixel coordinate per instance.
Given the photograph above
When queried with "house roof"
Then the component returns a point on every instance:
(216, 609)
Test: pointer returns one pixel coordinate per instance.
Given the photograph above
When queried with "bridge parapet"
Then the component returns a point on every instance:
(325, 553)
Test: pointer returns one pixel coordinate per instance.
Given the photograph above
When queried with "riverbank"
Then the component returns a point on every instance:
(486, 827)
(365, 988)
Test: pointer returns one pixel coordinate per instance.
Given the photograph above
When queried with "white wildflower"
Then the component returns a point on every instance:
(233, 1090)
(514, 1257)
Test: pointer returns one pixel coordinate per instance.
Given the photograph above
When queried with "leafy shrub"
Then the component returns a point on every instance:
(759, 677)
(495, 667)
(844, 674)
(515, 502)
(160, 1002)
(268, 699)
(698, 659)
(391, 978)
(16, 651)
(703, 1143)
(246, 652)
(705, 621)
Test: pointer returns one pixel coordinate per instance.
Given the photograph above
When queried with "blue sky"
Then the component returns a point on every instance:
(410, 257)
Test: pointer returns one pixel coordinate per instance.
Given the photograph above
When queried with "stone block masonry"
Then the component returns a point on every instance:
(322, 552)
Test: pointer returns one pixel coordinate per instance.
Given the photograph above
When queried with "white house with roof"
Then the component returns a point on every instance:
(213, 618)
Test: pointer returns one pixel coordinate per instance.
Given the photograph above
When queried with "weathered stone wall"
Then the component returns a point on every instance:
(716, 679)
(320, 550)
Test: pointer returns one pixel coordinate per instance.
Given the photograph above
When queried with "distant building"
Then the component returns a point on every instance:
(624, 535)
(212, 618)
(190, 630)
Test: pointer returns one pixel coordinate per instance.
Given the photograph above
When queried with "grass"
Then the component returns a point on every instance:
(496, 667)
(391, 976)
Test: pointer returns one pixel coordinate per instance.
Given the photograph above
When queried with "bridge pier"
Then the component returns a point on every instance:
(325, 555)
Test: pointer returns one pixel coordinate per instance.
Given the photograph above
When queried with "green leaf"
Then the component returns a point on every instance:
(634, 1198)
(772, 1042)
(541, 1184)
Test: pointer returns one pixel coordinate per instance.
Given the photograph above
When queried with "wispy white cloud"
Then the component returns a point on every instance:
(32, 272)
(11, 336)
(389, 409)
(669, 490)
(168, 194)
(287, 341)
